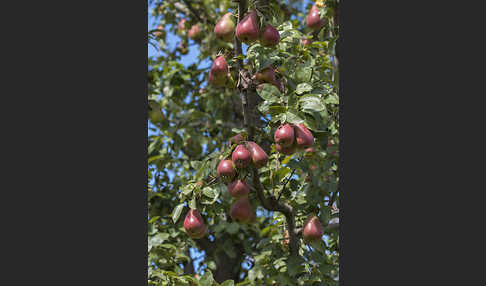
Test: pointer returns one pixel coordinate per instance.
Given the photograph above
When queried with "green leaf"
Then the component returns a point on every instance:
(303, 88)
(293, 118)
(311, 102)
(303, 73)
(232, 228)
(274, 110)
(207, 279)
(153, 219)
(209, 192)
(269, 93)
(176, 213)
(228, 283)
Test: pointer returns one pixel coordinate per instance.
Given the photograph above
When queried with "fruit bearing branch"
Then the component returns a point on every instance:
(270, 203)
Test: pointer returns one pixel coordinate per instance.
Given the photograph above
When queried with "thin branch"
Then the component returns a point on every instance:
(286, 182)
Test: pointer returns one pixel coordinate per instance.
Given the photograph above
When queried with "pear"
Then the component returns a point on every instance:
(194, 33)
(247, 31)
(225, 28)
(312, 229)
(258, 156)
(241, 157)
(306, 42)
(218, 74)
(242, 211)
(238, 188)
(314, 21)
(267, 75)
(270, 36)
(226, 169)
(284, 135)
(194, 224)
(303, 136)
(181, 26)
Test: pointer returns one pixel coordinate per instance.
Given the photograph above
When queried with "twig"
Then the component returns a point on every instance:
(285, 185)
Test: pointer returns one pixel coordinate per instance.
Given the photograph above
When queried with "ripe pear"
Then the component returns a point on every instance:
(194, 224)
(284, 135)
(226, 169)
(225, 28)
(258, 156)
(236, 139)
(241, 157)
(194, 33)
(303, 136)
(306, 42)
(266, 75)
(247, 31)
(270, 36)
(238, 188)
(182, 48)
(242, 211)
(312, 229)
(181, 26)
(218, 74)
(314, 21)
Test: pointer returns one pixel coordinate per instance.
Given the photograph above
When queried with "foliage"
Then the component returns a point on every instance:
(190, 124)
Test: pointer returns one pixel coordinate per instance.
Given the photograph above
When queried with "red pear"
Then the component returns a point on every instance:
(314, 21)
(220, 67)
(284, 135)
(226, 169)
(225, 28)
(194, 224)
(219, 71)
(266, 75)
(258, 156)
(312, 229)
(236, 139)
(241, 210)
(238, 188)
(270, 36)
(247, 30)
(182, 48)
(182, 25)
(241, 157)
(286, 150)
(303, 136)
(217, 81)
(306, 42)
(194, 33)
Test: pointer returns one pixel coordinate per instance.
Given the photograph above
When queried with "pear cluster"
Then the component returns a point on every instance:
(242, 157)
(288, 138)
(248, 31)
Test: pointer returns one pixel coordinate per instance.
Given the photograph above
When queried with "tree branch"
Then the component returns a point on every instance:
(196, 14)
(269, 203)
